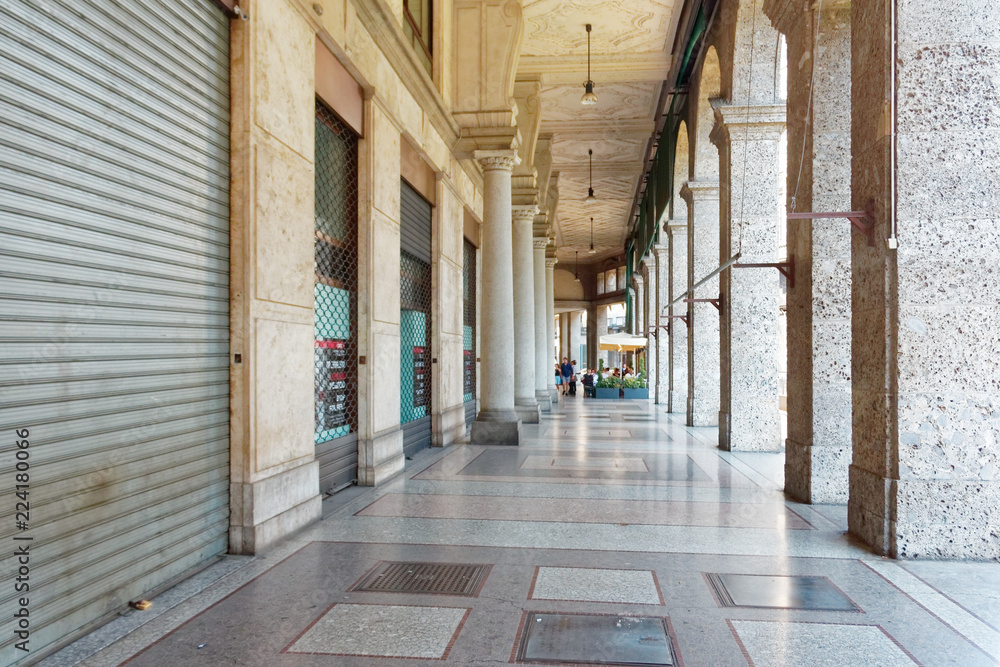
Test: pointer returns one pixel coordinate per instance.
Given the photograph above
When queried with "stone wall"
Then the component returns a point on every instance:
(926, 355)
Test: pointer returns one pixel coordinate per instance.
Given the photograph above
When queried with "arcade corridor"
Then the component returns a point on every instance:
(610, 509)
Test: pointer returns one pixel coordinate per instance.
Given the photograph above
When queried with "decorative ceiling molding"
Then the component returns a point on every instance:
(616, 101)
(555, 27)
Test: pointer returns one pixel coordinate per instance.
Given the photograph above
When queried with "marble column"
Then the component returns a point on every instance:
(592, 343)
(702, 199)
(660, 290)
(542, 369)
(525, 402)
(551, 351)
(575, 339)
(749, 142)
(818, 446)
(677, 241)
(639, 314)
(497, 422)
(925, 476)
(648, 268)
(601, 325)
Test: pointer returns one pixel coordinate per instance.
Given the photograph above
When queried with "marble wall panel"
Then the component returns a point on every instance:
(385, 165)
(283, 394)
(384, 299)
(385, 360)
(284, 63)
(283, 225)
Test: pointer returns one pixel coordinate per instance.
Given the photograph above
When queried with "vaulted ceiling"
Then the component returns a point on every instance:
(630, 58)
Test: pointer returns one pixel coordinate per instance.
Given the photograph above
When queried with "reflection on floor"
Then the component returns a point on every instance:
(613, 535)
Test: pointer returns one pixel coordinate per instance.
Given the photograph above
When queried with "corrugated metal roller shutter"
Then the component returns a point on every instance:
(114, 298)
(416, 371)
(415, 230)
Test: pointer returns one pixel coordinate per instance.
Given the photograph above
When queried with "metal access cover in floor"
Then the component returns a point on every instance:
(437, 578)
(595, 639)
(779, 592)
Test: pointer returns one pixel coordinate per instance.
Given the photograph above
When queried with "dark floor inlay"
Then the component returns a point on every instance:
(439, 578)
(595, 639)
(779, 592)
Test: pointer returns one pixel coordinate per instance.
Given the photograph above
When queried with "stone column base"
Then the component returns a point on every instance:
(725, 431)
(496, 428)
(380, 457)
(696, 417)
(544, 400)
(448, 426)
(554, 394)
(528, 414)
(816, 474)
(273, 508)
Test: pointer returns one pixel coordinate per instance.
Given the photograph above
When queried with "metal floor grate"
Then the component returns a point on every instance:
(779, 592)
(436, 578)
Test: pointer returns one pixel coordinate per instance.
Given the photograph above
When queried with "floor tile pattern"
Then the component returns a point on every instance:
(588, 510)
(388, 631)
(571, 528)
(595, 639)
(779, 644)
(596, 585)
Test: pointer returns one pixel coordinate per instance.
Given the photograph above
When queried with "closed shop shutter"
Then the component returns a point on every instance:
(469, 331)
(415, 320)
(336, 301)
(114, 300)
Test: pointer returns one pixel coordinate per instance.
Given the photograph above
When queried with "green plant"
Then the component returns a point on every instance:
(635, 382)
(642, 366)
(600, 365)
(609, 383)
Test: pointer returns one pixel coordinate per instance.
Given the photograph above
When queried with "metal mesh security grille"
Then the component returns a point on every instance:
(336, 290)
(440, 578)
(469, 322)
(415, 336)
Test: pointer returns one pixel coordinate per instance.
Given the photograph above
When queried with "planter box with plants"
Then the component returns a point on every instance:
(607, 388)
(635, 387)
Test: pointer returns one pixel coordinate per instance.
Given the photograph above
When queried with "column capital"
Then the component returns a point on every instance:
(541, 242)
(523, 213)
(504, 159)
(751, 123)
(693, 191)
(676, 227)
(550, 262)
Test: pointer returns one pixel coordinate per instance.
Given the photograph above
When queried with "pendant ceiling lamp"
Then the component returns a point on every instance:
(588, 96)
(590, 191)
(591, 251)
(576, 267)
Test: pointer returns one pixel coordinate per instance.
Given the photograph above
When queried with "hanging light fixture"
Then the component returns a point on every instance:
(576, 267)
(590, 191)
(588, 96)
(591, 251)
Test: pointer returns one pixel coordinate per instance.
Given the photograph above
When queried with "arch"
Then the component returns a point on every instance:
(704, 156)
(756, 53)
(682, 160)
(567, 288)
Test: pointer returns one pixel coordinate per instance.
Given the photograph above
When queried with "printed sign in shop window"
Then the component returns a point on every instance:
(420, 363)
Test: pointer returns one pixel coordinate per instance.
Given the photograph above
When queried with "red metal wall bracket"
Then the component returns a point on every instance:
(863, 220)
(787, 268)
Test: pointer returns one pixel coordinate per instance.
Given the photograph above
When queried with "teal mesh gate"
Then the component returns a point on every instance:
(415, 352)
(336, 297)
(469, 331)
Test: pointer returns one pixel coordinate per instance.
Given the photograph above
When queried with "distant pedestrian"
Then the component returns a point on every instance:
(566, 369)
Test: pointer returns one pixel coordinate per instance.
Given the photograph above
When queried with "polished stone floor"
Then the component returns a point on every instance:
(613, 535)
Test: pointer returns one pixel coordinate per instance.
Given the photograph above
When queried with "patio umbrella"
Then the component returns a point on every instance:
(622, 342)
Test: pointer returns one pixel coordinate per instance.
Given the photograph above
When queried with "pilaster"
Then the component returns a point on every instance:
(497, 422)
(702, 198)
(525, 402)
(542, 370)
(551, 350)
(748, 138)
